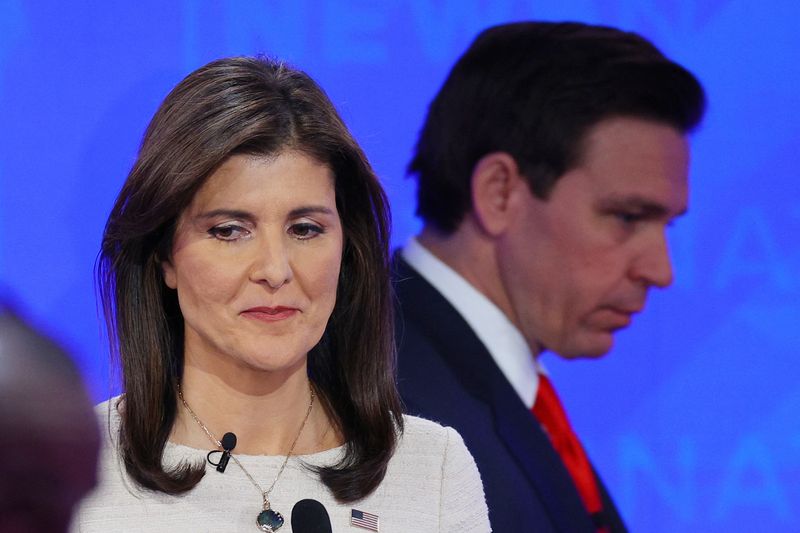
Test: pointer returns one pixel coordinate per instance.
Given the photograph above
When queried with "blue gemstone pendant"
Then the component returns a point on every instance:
(269, 520)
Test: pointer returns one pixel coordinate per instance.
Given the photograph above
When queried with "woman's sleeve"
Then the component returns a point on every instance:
(463, 502)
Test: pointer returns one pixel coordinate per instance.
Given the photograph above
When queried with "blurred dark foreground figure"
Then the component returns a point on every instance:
(48, 432)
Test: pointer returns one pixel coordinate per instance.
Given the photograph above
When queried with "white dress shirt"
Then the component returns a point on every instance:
(502, 339)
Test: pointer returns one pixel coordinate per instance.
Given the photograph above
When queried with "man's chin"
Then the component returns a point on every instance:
(590, 346)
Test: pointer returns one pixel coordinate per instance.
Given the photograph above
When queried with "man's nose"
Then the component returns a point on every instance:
(653, 265)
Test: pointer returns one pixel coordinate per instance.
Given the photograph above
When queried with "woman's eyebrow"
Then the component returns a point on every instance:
(247, 215)
(231, 213)
(311, 210)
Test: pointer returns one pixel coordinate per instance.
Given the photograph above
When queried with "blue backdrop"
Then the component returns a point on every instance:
(693, 419)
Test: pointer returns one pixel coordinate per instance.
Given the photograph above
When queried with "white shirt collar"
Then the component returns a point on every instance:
(502, 339)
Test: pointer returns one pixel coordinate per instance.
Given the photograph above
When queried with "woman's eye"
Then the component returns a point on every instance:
(229, 232)
(305, 230)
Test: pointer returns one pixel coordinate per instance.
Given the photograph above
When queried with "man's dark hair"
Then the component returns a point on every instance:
(533, 90)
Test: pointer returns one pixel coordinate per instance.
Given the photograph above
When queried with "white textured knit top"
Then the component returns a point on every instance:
(431, 485)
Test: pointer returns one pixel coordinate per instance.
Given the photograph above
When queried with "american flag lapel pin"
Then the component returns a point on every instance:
(363, 520)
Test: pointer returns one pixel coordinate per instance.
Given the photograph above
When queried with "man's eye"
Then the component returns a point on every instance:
(305, 230)
(627, 217)
(228, 232)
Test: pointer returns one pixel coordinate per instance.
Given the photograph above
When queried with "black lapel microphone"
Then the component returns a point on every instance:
(310, 516)
(228, 443)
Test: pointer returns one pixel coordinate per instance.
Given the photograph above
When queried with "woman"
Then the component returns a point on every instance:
(244, 279)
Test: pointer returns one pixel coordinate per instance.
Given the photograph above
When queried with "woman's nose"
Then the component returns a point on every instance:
(271, 264)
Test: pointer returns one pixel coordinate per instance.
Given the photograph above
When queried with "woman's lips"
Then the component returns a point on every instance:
(270, 314)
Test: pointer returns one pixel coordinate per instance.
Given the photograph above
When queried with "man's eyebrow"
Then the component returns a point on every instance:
(644, 206)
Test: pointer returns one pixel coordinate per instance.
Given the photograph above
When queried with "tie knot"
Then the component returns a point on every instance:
(548, 410)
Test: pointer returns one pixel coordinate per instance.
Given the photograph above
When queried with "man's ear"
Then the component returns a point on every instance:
(495, 179)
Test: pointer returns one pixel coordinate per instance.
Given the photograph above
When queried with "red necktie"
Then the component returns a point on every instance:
(550, 413)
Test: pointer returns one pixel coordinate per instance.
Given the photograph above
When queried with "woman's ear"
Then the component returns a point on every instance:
(495, 180)
(168, 271)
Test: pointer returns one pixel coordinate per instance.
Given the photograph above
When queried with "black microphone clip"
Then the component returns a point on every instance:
(228, 443)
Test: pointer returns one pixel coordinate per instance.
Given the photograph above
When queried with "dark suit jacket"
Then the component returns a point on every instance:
(447, 375)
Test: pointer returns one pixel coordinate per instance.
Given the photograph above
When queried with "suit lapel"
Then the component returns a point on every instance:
(475, 368)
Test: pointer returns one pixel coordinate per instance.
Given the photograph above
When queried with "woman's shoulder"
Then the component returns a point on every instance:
(432, 460)
(426, 437)
(110, 403)
(107, 414)
(108, 420)
(418, 427)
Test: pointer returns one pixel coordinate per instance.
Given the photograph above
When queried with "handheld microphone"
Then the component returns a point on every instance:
(310, 516)
(228, 443)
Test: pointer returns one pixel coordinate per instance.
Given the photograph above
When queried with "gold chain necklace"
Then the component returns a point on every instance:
(268, 520)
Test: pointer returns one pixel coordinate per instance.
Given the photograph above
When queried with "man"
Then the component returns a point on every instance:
(550, 164)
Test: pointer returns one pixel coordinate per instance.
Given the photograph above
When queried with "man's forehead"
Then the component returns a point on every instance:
(637, 162)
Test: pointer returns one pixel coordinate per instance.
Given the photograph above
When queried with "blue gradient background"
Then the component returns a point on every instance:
(692, 419)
